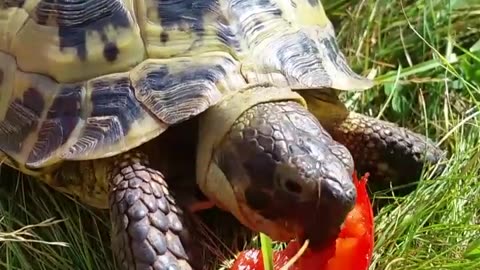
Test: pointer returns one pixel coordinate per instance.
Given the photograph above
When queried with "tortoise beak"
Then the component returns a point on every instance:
(336, 200)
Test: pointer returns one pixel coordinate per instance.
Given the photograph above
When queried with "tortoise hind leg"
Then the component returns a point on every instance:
(388, 152)
(148, 228)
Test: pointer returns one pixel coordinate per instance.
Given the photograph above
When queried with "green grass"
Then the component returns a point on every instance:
(428, 73)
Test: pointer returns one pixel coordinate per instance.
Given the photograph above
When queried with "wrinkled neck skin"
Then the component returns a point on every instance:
(326, 106)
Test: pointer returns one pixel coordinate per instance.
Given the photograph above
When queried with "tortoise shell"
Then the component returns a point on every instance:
(88, 79)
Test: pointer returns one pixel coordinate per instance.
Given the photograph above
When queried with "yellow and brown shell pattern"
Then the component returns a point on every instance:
(86, 79)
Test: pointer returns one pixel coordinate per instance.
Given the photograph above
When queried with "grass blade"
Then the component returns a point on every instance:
(267, 252)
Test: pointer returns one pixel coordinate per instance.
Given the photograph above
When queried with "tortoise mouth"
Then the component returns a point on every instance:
(321, 223)
(319, 231)
(279, 230)
(319, 220)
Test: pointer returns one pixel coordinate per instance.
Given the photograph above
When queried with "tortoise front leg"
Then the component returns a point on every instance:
(148, 229)
(388, 152)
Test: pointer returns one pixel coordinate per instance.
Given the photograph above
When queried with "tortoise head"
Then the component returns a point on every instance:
(279, 172)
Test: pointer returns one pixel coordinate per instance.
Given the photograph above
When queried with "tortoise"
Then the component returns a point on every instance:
(85, 85)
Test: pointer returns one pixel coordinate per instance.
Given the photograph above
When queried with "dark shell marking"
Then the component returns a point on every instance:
(12, 3)
(115, 77)
(180, 92)
(187, 13)
(105, 116)
(16, 125)
(75, 19)
(186, 28)
(96, 36)
(293, 40)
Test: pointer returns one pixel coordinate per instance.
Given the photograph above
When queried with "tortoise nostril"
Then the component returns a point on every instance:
(293, 186)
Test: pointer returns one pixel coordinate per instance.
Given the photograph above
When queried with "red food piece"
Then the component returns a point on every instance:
(352, 250)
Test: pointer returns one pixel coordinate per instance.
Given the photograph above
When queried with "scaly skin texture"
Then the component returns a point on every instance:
(388, 152)
(148, 229)
(289, 177)
(392, 155)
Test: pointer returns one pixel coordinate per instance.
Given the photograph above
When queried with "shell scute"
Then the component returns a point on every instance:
(7, 69)
(61, 120)
(115, 97)
(73, 27)
(12, 3)
(292, 45)
(115, 120)
(16, 127)
(43, 122)
(187, 13)
(12, 17)
(185, 28)
(97, 97)
(24, 99)
(95, 36)
(65, 111)
(178, 89)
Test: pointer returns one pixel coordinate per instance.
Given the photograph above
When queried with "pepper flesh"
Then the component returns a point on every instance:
(352, 249)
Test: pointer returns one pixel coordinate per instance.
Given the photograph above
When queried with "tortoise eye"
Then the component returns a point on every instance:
(292, 186)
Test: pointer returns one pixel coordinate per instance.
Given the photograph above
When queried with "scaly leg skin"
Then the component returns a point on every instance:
(388, 152)
(148, 229)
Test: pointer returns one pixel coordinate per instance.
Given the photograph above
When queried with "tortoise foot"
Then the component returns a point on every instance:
(391, 154)
(148, 228)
